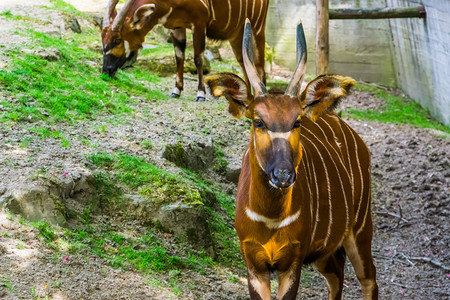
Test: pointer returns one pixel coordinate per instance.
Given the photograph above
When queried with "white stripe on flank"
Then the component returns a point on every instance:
(272, 223)
(204, 4)
(311, 173)
(240, 12)
(213, 12)
(163, 20)
(360, 174)
(280, 135)
(253, 10)
(308, 179)
(246, 8)
(260, 11)
(337, 170)
(329, 193)
(229, 15)
(261, 27)
(347, 213)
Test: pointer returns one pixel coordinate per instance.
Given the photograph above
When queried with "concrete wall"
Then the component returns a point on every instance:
(421, 52)
(358, 48)
(413, 54)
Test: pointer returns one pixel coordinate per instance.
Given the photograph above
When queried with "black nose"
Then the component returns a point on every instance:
(282, 177)
(110, 71)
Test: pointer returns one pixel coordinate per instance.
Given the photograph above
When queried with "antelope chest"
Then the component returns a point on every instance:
(276, 253)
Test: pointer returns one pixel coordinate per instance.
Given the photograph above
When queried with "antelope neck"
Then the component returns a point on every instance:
(268, 203)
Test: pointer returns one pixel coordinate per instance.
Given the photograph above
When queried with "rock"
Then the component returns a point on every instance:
(74, 25)
(50, 54)
(97, 19)
(35, 203)
(193, 156)
(50, 199)
(188, 222)
(189, 64)
(233, 172)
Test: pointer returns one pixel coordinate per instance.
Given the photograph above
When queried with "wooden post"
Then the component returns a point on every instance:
(322, 32)
(378, 13)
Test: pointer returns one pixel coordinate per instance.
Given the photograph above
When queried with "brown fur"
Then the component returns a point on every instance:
(330, 196)
(205, 17)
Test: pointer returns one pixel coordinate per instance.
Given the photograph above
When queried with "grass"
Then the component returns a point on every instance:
(160, 187)
(396, 110)
(70, 88)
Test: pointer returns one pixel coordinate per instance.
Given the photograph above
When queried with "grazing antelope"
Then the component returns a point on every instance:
(304, 190)
(123, 34)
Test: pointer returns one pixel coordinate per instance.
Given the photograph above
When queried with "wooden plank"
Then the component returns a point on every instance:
(377, 13)
(322, 34)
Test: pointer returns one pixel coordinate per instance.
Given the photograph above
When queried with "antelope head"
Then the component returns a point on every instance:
(124, 33)
(275, 146)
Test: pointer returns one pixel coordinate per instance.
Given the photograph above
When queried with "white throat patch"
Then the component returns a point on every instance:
(272, 223)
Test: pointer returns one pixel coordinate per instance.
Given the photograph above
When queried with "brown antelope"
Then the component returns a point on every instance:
(123, 34)
(304, 190)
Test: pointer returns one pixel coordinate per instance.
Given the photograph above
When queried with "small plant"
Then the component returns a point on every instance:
(47, 233)
(147, 144)
(7, 283)
(85, 217)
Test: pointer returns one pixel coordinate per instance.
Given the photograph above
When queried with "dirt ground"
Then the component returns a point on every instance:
(411, 195)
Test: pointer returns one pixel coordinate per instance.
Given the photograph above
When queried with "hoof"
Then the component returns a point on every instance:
(173, 95)
(200, 99)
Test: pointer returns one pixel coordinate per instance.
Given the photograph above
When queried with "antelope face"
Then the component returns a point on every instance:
(276, 137)
(118, 52)
(124, 33)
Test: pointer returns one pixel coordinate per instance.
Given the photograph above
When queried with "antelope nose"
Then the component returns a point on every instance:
(282, 177)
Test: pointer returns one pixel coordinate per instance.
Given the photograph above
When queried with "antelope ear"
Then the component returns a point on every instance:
(233, 88)
(141, 15)
(323, 94)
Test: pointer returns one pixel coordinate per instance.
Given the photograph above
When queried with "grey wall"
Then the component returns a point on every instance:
(413, 54)
(358, 48)
(421, 52)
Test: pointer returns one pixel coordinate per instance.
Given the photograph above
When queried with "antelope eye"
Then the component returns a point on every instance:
(258, 123)
(297, 124)
(117, 41)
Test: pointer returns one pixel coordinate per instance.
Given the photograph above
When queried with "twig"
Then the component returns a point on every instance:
(401, 285)
(406, 258)
(390, 214)
(391, 258)
(432, 261)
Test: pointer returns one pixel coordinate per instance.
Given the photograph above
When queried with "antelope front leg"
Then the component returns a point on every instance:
(259, 285)
(179, 44)
(359, 252)
(288, 283)
(199, 47)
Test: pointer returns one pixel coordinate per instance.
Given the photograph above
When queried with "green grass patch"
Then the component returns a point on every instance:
(162, 187)
(64, 7)
(397, 110)
(69, 88)
(154, 183)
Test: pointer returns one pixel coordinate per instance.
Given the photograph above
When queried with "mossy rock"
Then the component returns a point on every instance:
(193, 156)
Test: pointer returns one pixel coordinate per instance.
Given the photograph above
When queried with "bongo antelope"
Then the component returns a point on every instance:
(123, 34)
(304, 191)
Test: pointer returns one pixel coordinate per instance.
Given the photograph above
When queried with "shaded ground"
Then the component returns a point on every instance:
(410, 168)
